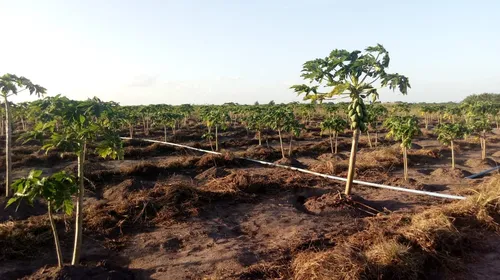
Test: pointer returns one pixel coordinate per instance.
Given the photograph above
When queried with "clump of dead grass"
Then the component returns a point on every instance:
(343, 262)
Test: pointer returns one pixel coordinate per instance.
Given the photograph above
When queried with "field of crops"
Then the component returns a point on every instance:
(151, 210)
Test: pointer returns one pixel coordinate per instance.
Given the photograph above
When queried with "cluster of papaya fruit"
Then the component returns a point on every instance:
(358, 114)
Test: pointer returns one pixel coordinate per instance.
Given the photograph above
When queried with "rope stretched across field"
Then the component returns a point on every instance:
(449, 196)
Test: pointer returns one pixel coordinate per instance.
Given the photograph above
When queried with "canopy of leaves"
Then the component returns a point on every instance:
(57, 189)
(403, 129)
(483, 97)
(450, 132)
(333, 124)
(10, 84)
(349, 73)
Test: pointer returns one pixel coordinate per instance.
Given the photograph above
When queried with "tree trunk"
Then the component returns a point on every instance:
(483, 152)
(452, 156)
(260, 140)
(405, 164)
(23, 125)
(56, 237)
(369, 139)
(331, 142)
(376, 138)
(79, 209)
(165, 132)
(210, 138)
(336, 141)
(426, 122)
(281, 144)
(352, 161)
(8, 156)
(290, 148)
(131, 130)
(216, 139)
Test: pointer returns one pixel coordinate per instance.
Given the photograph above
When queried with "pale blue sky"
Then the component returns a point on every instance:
(243, 51)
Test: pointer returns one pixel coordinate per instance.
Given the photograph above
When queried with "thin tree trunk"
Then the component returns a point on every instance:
(281, 144)
(426, 122)
(336, 141)
(376, 138)
(216, 139)
(483, 152)
(165, 132)
(8, 156)
(405, 164)
(452, 156)
(131, 130)
(290, 148)
(369, 139)
(23, 125)
(260, 140)
(331, 142)
(352, 161)
(79, 209)
(56, 237)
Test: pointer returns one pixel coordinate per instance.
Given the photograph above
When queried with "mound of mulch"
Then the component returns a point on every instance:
(496, 154)
(476, 162)
(212, 173)
(336, 202)
(332, 157)
(210, 160)
(331, 167)
(101, 271)
(122, 190)
(453, 173)
(290, 162)
(151, 150)
(262, 153)
(18, 239)
(400, 182)
(382, 159)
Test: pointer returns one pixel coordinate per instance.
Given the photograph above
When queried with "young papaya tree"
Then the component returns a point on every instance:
(376, 113)
(293, 127)
(57, 190)
(256, 120)
(426, 111)
(12, 85)
(356, 75)
(448, 133)
(333, 126)
(278, 119)
(83, 123)
(216, 118)
(403, 129)
(479, 122)
(167, 119)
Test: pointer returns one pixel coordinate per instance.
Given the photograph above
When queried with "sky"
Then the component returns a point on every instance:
(212, 52)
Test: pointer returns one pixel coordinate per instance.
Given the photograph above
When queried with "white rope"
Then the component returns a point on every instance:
(449, 196)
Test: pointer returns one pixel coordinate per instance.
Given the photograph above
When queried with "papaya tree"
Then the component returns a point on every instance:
(356, 75)
(256, 120)
(426, 112)
(278, 119)
(83, 123)
(167, 119)
(448, 133)
(56, 190)
(333, 126)
(479, 122)
(216, 118)
(403, 129)
(376, 113)
(293, 127)
(12, 85)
